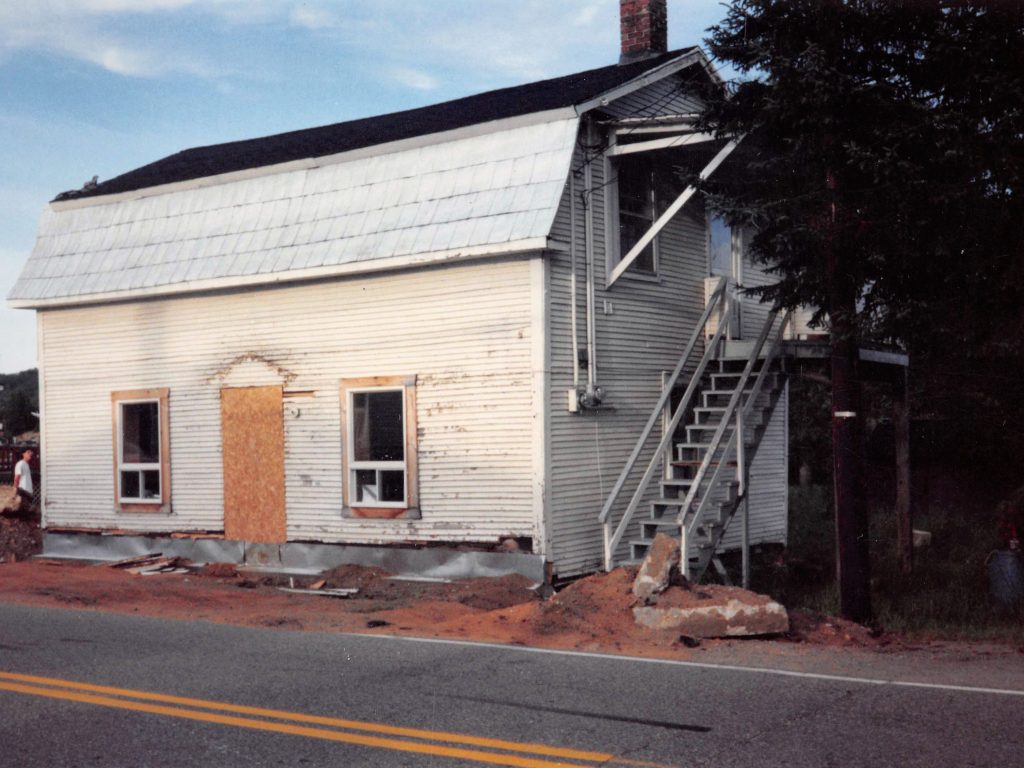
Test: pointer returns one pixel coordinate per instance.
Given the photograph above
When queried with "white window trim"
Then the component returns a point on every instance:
(613, 237)
(142, 504)
(736, 258)
(409, 506)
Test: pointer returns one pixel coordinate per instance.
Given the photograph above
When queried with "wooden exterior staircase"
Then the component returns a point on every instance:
(708, 439)
(724, 487)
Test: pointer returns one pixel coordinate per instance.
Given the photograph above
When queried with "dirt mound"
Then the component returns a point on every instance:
(484, 594)
(370, 581)
(817, 629)
(591, 614)
(19, 539)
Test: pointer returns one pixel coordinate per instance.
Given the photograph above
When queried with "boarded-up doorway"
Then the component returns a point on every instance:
(252, 436)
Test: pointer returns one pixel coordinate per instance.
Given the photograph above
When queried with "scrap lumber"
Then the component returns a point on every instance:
(130, 562)
(340, 592)
(157, 565)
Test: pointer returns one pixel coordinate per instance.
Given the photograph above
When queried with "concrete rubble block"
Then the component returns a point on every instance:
(655, 572)
(714, 611)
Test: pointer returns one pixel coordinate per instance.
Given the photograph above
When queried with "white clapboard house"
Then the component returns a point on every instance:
(414, 336)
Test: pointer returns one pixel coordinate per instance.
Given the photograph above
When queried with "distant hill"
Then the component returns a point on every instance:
(18, 399)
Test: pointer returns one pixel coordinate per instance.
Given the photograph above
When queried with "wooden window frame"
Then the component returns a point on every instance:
(613, 236)
(410, 510)
(162, 398)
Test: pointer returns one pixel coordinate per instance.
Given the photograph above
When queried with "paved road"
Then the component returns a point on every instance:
(92, 689)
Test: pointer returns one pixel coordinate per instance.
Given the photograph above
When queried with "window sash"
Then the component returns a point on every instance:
(141, 485)
(354, 467)
(137, 467)
(635, 211)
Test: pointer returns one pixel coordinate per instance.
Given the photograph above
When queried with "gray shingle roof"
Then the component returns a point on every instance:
(325, 140)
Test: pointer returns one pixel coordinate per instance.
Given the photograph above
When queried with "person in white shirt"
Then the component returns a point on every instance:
(23, 479)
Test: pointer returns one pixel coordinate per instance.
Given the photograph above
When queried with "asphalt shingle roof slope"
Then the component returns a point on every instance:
(325, 140)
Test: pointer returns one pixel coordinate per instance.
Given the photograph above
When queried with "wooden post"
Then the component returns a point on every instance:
(904, 512)
(852, 558)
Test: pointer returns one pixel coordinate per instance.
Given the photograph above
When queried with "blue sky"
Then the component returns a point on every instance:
(99, 87)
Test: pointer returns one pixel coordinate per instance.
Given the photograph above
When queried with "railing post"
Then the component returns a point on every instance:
(613, 534)
(745, 502)
(666, 421)
(608, 555)
(741, 484)
(684, 557)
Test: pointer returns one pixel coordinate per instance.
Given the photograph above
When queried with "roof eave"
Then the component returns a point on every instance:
(513, 248)
(691, 58)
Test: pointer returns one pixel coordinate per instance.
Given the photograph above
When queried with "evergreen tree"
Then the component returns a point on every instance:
(881, 171)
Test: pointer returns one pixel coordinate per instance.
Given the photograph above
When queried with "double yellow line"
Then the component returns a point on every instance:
(378, 735)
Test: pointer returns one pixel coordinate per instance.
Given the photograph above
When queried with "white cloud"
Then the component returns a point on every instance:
(131, 6)
(414, 78)
(312, 17)
(80, 29)
(588, 14)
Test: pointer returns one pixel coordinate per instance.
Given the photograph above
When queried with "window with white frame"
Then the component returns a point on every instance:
(380, 445)
(141, 447)
(723, 249)
(637, 205)
(725, 259)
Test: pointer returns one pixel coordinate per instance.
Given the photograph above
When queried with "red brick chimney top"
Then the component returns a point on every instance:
(644, 29)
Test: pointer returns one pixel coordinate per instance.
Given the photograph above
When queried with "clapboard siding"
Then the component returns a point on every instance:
(466, 332)
(755, 312)
(769, 488)
(640, 334)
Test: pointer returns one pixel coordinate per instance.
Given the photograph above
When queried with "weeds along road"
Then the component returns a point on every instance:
(92, 689)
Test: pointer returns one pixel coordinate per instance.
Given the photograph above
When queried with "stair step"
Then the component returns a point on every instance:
(698, 462)
(638, 550)
(735, 376)
(689, 445)
(710, 528)
(663, 504)
(717, 412)
(650, 528)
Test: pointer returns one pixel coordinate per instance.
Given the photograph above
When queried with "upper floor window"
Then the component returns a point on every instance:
(721, 261)
(637, 205)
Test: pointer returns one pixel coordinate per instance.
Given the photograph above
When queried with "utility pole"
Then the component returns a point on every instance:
(852, 563)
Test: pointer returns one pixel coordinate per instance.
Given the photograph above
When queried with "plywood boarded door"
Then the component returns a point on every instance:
(252, 437)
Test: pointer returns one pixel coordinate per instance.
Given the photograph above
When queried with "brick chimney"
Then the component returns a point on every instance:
(644, 28)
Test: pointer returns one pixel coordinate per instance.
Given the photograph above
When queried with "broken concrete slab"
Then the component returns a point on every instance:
(655, 572)
(714, 611)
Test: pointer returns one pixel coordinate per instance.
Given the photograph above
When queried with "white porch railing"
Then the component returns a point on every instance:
(613, 533)
(735, 445)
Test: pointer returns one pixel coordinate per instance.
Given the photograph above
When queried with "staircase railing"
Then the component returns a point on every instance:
(736, 438)
(613, 535)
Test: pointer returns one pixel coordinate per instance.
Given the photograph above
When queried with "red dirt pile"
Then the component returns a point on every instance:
(591, 614)
(19, 539)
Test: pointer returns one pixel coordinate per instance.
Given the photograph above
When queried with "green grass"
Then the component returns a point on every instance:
(945, 597)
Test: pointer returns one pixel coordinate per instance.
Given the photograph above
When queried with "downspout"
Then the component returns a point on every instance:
(592, 396)
(572, 285)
